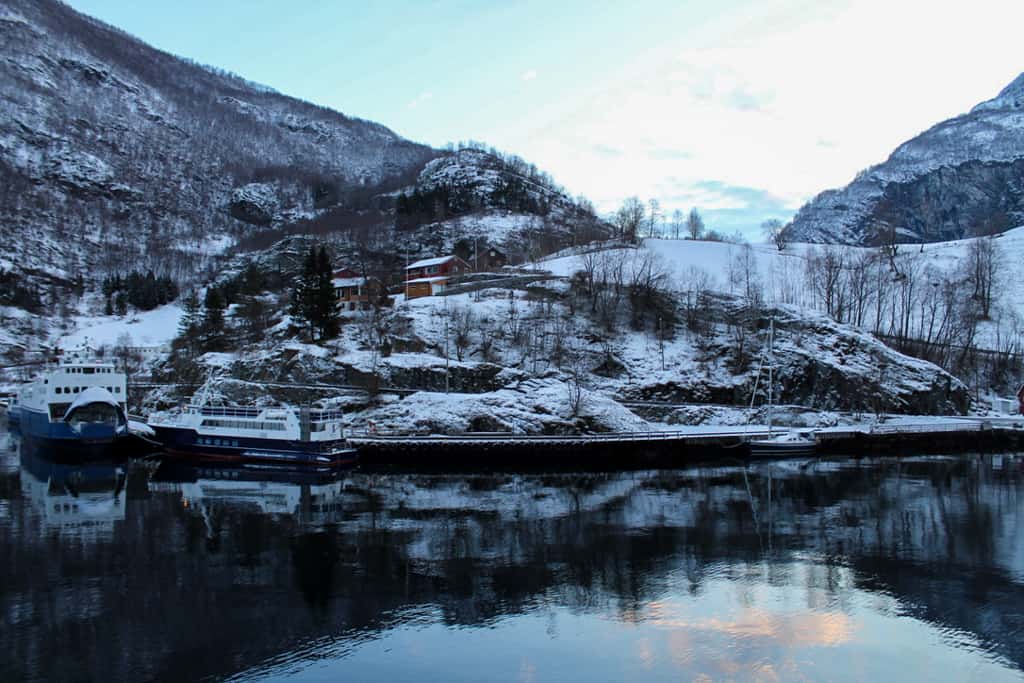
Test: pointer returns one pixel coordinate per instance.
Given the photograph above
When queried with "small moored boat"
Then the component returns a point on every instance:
(790, 443)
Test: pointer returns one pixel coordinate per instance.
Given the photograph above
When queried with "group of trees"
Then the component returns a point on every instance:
(14, 293)
(145, 292)
(913, 303)
(608, 279)
(634, 220)
(314, 303)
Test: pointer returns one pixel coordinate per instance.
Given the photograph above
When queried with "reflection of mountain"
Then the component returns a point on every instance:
(247, 580)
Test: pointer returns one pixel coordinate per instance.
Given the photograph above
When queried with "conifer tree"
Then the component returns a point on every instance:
(189, 326)
(213, 320)
(327, 316)
(303, 306)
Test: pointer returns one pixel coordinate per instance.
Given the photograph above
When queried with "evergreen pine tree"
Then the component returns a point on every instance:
(212, 337)
(147, 292)
(326, 300)
(190, 323)
(303, 306)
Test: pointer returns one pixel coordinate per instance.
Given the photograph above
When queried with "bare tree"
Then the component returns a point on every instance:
(983, 260)
(629, 218)
(576, 375)
(773, 232)
(463, 321)
(694, 224)
(677, 223)
(653, 216)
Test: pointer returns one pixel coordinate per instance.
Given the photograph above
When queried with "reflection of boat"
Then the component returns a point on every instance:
(78, 405)
(249, 434)
(789, 443)
(79, 496)
(311, 493)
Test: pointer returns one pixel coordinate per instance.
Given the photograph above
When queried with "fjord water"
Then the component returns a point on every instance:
(855, 569)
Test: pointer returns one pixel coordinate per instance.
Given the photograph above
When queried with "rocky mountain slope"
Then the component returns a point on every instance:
(960, 178)
(113, 152)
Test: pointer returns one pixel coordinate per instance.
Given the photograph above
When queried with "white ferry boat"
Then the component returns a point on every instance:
(77, 405)
(243, 434)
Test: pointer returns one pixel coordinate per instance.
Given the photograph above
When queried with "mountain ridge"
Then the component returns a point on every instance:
(112, 150)
(959, 178)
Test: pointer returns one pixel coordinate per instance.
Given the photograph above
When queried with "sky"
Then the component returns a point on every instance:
(743, 109)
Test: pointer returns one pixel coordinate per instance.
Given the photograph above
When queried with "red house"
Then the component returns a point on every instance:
(430, 276)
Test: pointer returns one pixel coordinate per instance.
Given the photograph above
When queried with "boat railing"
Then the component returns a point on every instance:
(326, 415)
(223, 411)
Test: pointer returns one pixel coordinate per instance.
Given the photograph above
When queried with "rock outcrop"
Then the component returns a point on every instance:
(960, 178)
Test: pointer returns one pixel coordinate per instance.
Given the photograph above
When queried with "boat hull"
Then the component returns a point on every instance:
(186, 443)
(780, 450)
(92, 440)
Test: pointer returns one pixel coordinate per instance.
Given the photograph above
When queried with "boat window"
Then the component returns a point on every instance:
(57, 410)
(76, 389)
(117, 390)
(88, 371)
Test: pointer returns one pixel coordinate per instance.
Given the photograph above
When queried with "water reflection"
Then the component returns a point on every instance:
(81, 500)
(816, 569)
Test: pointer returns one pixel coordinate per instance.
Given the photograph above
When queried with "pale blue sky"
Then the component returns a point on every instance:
(743, 109)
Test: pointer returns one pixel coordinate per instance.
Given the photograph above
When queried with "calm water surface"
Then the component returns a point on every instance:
(872, 569)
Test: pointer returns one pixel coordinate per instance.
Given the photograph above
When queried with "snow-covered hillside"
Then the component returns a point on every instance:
(962, 177)
(783, 274)
(113, 153)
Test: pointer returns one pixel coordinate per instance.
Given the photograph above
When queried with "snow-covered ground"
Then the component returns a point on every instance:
(154, 328)
(782, 272)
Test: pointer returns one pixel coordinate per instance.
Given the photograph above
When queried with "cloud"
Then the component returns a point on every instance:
(668, 154)
(726, 208)
(768, 105)
(528, 75)
(607, 151)
(422, 98)
(744, 100)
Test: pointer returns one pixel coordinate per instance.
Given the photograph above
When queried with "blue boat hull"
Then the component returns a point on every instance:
(187, 443)
(91, 440)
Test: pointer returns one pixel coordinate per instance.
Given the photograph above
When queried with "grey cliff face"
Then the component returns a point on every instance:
(960, 178)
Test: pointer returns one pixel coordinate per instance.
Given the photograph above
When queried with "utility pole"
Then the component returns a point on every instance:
(447, 376)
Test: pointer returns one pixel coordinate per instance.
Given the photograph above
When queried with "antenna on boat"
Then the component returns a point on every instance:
(771, 366)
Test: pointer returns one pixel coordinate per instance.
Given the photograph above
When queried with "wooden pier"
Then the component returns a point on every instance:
(675, 448)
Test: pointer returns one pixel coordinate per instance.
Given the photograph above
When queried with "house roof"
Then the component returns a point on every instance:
(348, 282)
(436, 261)
(441, 278)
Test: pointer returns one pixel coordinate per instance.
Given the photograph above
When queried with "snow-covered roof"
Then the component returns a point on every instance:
(91, 395)
(436, 261)
(436, 278)
(348, 282)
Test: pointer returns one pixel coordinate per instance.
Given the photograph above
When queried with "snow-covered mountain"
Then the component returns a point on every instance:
(960, 178)
(115, 153)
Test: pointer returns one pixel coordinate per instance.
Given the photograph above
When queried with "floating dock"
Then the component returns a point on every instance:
(681, 447)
